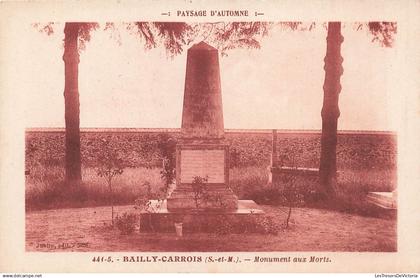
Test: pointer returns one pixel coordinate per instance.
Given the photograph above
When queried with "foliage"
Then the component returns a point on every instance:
(244, 181)
(47, 28)
(83, 30)
(234, 157)
(166, 146)
(291, 194)
(267, 225)
(126, 223)
(351, 195)
(109, 163)
(267, 195)
(109, 166)
(37, 160)
(84, 33)
(173, 35)
(223, 225)
(44, 189)
(226, 36)
(199, 188)
(381, 32)
(365, 161)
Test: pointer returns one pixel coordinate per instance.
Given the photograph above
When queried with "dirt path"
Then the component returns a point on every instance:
(83, 229)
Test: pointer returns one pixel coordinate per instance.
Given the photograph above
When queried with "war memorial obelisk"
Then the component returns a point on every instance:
(201, 150)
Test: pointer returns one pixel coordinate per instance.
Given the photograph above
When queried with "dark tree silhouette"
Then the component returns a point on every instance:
(76, 34)
(330, 110)
(73, 33)
(71, 100)
(382, 32)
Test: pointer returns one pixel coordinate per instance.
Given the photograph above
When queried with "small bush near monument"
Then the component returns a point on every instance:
(126, 223)
(199, 188)
(166, 146)
(110, 165)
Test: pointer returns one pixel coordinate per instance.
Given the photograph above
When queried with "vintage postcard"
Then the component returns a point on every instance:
(209, 136)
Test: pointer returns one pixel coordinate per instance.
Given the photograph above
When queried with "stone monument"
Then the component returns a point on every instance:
(201, 154)
(202, 151)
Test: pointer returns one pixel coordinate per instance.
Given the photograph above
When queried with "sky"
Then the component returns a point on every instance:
(276, 86)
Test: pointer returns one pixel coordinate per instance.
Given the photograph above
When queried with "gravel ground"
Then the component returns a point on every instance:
(87, 230)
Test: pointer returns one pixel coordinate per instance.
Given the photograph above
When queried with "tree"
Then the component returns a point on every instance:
(110, 166)
(76, 35)
(382, 32)
(330, 110)
(73, 32)
(71, 106)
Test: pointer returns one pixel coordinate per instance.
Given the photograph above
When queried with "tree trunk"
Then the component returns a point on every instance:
(71, 102)
(112, 201)
(288, 216)
(330, 110)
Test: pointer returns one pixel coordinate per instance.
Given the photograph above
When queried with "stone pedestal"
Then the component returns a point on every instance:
(210, 161)
(243, 219)
(385, 200)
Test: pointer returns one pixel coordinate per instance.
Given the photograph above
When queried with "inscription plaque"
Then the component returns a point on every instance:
(203, 163)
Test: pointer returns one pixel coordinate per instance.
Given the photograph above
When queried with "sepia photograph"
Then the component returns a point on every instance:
(214, 136)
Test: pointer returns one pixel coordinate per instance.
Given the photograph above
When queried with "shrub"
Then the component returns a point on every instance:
(261, 224)
(267, 225)
(199, 188)
(265, 196)
(223, 225)
(234, 158)
(110, 165)
(126, 223)
(351, 197)
(167, 146)
(245, 180)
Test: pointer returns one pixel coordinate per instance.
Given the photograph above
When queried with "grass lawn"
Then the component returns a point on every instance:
(87, 229)
(44, 188)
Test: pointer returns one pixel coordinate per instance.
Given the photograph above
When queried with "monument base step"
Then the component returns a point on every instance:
(240, 220)
(386, 200)
(218, 199)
